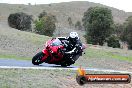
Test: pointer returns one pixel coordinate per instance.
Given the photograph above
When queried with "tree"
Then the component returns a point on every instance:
(45, 25)
(20, 21)
(70, 21)
(44, 13)
(78, 25)
(97, 22)
(118, 30)
(127, 34)
(113, 41)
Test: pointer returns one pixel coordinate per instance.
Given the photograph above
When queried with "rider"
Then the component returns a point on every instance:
(72, 43)
(73, 47)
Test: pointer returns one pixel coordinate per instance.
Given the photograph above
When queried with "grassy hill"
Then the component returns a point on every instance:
(62, 11)
(19, 43)
(16, 42)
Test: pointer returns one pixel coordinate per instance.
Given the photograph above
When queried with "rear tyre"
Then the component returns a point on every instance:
(65, 64)
(36, 60)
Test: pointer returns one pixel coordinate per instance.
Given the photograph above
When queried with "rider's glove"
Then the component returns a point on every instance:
(71, 52)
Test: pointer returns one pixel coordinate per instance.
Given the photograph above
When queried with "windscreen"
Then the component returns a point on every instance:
(56, 42)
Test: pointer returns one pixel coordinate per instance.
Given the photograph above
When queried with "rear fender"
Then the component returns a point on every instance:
(84, 46)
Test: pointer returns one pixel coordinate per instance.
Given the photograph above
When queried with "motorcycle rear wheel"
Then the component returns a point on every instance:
(36, 60)
(65, 64)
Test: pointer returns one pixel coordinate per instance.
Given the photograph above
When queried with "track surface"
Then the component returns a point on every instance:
(24, 64)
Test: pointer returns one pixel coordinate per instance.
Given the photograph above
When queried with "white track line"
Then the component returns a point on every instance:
(108, 70)
(57, 68)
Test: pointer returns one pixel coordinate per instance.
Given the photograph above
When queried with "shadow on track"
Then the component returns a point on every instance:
(53, 66)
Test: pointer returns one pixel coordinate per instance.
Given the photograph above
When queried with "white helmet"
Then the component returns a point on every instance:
(73, 35)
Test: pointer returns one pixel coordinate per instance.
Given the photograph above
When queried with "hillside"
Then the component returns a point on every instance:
(10, 38)
(13, 41)
(20, 43)
(62, 11)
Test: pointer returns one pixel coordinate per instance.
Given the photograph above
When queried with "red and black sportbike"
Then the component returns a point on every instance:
(54, 54)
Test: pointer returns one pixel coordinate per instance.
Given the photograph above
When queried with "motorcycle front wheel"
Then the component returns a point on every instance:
(36, 60)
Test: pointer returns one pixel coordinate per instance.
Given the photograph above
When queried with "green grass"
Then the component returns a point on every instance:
(27, 78)
(14, 57)
(116, 56)
(89, 53)
(102, 53)
(35, 78)
(94, 53)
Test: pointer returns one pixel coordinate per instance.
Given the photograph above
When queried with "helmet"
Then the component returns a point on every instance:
(73, 35)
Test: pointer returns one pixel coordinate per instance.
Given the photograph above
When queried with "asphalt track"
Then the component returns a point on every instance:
(24, 64)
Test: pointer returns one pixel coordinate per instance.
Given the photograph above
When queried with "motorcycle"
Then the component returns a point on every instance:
(53, 53)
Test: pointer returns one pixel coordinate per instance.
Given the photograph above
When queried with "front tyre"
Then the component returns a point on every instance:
(36, 60)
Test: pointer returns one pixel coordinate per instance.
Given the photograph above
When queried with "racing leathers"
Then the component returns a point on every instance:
(71, 47)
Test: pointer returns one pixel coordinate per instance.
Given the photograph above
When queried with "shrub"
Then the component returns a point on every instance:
(127, 33)
(45, 26)
(41, 15)
(70, 21)
(113, 41)
(78, 25)
(20, 21)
